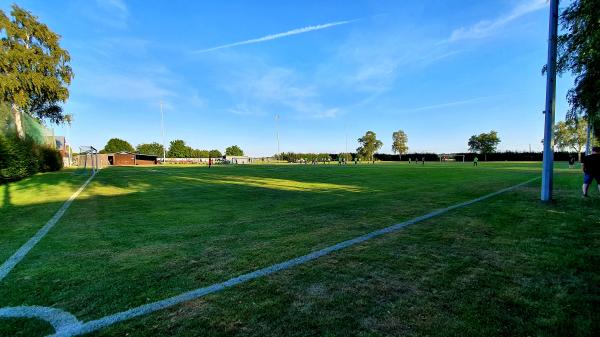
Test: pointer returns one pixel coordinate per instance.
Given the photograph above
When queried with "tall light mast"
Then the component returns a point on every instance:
(548, 163)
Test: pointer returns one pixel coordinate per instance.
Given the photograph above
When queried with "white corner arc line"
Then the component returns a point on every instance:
(57, 318)
(12, 261)
(97, 324)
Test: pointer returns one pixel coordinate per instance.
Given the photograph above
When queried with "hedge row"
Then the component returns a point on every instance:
(496, 156)
(20, 158)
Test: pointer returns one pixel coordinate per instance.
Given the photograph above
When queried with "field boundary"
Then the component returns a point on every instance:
(74, 327)
(12, 261)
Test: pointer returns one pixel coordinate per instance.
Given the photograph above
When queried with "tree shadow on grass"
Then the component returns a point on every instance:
(6, 197)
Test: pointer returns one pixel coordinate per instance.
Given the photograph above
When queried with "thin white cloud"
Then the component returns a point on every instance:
(278, 35)
(111, 13)
(486, 28)
(450, 104)
(267, 89)
(116, 5)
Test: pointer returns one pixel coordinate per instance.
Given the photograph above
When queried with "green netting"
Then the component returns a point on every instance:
(33, 129)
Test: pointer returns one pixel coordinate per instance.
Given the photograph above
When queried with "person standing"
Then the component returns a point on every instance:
(209, 162)
(475, 161)
(423, 159)
(571, 162)
(591, 170)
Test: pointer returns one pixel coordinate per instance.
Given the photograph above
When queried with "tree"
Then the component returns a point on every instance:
(399, 143)
(35, 70)
(151, 148)
(215, 154)
(570, 135)
(369, 145)
(200, 154)
(484, 143)
(178, 149)
(578, 53)
(117, 145)
(234, 150)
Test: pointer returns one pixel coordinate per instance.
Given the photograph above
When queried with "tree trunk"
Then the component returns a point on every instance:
(18, 124)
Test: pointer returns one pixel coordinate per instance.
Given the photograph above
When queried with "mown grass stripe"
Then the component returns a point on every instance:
(12, 261)
(148, 308)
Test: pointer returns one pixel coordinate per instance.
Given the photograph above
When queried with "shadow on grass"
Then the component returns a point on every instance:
(127, 250)
(6, 197)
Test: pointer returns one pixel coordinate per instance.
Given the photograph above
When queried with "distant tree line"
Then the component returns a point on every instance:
(292, 157)
(177, 149)
(469, 156)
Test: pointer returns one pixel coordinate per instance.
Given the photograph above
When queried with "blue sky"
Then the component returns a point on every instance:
(439, 70)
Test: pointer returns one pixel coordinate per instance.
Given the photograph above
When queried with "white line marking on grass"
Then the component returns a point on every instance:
(59, 319)
(90, 326)
(12, 261)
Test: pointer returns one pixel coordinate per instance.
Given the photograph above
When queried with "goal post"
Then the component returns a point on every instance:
(444, 157)
(88, 159)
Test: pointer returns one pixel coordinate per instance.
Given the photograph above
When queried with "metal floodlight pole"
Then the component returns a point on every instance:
(162, 127)
(548, 163)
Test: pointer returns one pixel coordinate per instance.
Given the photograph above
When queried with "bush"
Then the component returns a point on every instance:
(20, 158)
(51, 160)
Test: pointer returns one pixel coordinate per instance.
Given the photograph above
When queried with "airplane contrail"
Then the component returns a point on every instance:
(278, 35)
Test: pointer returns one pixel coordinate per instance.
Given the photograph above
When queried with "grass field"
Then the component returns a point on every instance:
(507, 266)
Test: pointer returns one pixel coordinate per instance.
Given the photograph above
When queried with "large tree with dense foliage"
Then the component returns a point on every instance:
(234, 150)
(579, 54)
(34, 71)
(151, 148)
(215, 154)
(369, 144)
(178, 149)
(484, 143)
(200, 153)
(399, 142)
(570, 135)
(117, 145)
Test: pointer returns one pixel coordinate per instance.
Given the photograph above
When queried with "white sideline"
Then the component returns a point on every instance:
(12, 261)
(78, 328)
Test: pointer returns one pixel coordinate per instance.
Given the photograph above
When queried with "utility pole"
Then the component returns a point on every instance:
(162, 127)
(277, 131)
(548, 163)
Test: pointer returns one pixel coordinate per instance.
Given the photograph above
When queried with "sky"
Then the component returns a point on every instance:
(331, 70)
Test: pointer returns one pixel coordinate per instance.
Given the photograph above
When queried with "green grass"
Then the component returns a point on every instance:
(506, 266)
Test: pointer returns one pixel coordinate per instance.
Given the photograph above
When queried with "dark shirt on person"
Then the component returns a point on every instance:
(591, 164)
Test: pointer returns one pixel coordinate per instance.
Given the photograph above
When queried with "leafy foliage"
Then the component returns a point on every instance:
(178, 149)
(200, 153)
(117, 145)
(35, 70)
(369, 145)
(570, 135)
(151, 148)
(399, 142)
(579, 54)
(215, 154)
(234, 150)
(484, 142)
(20, 158)
(292, 157)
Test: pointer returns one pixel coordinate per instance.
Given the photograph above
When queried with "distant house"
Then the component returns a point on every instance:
(238, 160)
(130, 159)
